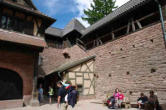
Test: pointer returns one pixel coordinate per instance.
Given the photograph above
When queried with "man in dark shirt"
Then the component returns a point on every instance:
(142, 100)
(61, 96)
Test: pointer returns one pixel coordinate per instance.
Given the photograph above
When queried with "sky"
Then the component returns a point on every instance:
(66, 10)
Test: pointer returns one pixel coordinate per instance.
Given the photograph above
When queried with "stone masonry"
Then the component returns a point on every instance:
(133, 63)
(22, 63)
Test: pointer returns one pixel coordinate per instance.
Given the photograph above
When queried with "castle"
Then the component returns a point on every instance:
(125, 50)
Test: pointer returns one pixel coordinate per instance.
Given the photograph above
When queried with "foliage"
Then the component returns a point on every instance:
(99, 9)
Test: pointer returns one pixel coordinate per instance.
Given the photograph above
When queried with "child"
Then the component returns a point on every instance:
(121, 97)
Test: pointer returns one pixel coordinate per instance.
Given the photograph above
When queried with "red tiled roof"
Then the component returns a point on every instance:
(23, 39)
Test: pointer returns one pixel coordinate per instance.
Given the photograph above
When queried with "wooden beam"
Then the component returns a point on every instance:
(139, 24)
(113, 35)
(80, 41)
(97, 41)
(94, 43)
(147, 16)
(133, 25)
(101, 43)
(128, 27)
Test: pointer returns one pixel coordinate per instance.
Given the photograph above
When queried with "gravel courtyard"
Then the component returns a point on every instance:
(82, 105)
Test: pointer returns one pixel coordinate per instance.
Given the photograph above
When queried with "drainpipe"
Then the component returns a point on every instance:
(162, 20)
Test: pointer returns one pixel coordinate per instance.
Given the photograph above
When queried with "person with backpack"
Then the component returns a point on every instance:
(50, 94)
(72, 96)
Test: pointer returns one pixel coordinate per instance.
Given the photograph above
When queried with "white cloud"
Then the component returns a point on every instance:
(121, 2)
(50, 4)
(81, 5)
(52, 7)
(85, 4)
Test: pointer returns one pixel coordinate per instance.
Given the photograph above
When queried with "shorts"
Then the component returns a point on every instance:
(50, 96)
(140, 102)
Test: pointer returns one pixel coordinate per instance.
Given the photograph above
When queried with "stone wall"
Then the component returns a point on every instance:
(133, 63)
(23, 64)
(53, 58)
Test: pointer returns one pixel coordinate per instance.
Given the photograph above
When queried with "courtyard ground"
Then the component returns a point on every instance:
(82, 105)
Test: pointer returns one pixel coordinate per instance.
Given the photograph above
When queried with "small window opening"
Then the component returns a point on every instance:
(130, 92)
(152, 40)
(128, 73)
(66, 55)
(153, 70)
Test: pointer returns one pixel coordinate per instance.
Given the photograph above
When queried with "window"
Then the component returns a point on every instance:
(80, 88)
(3, 21)
(15, 24)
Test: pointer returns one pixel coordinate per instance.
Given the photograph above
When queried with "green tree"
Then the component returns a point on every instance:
(99, 9)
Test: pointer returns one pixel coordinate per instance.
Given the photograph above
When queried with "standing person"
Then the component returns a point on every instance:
(50, 93)
(142, 100)
(40, 93)
(61, 96)
(153, 101)
(116, 96)
(121, 97)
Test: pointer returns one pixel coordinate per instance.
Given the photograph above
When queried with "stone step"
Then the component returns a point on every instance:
(5, 104)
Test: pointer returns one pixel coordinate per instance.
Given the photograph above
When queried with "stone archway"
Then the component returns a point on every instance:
(11, 85)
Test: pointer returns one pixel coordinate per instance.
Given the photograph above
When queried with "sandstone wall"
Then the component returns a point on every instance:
(134, 63)
(23, 64)
(53, 58)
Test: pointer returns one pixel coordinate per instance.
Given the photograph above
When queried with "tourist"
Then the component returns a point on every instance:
(72, 96)
(61, 96)
(40, 93)
(153, 101)
(50, 93)
(142, 100)
(116, 96)
(111, 102)
(120, 99)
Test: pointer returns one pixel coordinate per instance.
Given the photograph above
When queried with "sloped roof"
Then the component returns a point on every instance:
(115, 14)
(69, 65)
(54, 32)
(29, 10)
(73, 25)
(31, 4)
(22, 39)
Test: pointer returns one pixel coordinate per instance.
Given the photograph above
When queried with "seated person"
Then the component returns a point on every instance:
(121, 97)
(153, 102)
(116, 96)
(111, 102)
(142, 100)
